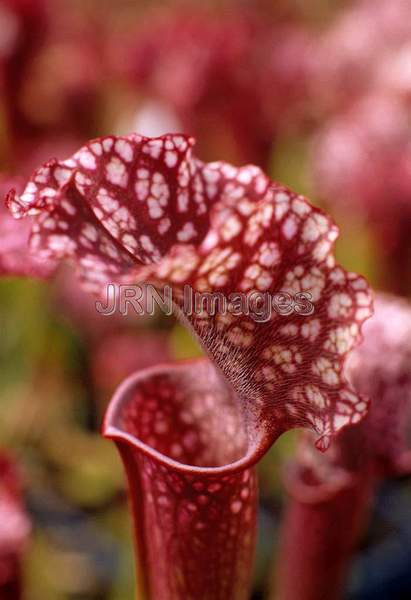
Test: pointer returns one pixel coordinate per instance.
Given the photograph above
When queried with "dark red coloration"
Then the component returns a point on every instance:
(316, 566)
(15, 257)
(362, 157)
(233, 80)
(331, 493)
(318, 539)
(51, 75)
(134, 209)
(381, 368)
(328, 509)
(24, 25)
(362, 161)
(186, 450)
(14, 530)
(120, 353)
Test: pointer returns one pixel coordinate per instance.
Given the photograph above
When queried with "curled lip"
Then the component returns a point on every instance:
(129, 208)
(185, 514)
(118, 434)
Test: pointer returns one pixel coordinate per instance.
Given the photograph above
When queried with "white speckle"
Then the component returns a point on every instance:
(315, 396)
(164, 226)
(231, 228)
(300, 207)
(236, 506)
(229, 170)
(87, 159)
(154, 209)
(211, 190)
(282, 197)
(60, 243)
(171, 158)
(339, 306)
(90, 232)
(264, 281)
(214, 487)
(280, 210)
(82, 179)
(146, 243)
(48, 192)
(108, 144)
(337, 276)
(129, 241)
(321, 250)
(359, 284)
(186, 233)
(340, 421)
(269, 255)
(141, 187)
(182, 201)
(260, 184)
(311, 329)
(62, 175)
(289, 228)
(159, 189)
(179, 142)
(106, 201)
(211, 175)
(96, 148)
(124, 149)
(153, 148)
(26, 197)
(49, 223)
(245, 175)
(31, 188)
(123, 215)
(116, 172)
(310, 231)
(70, 162)
(111, 226)
(109, 249)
